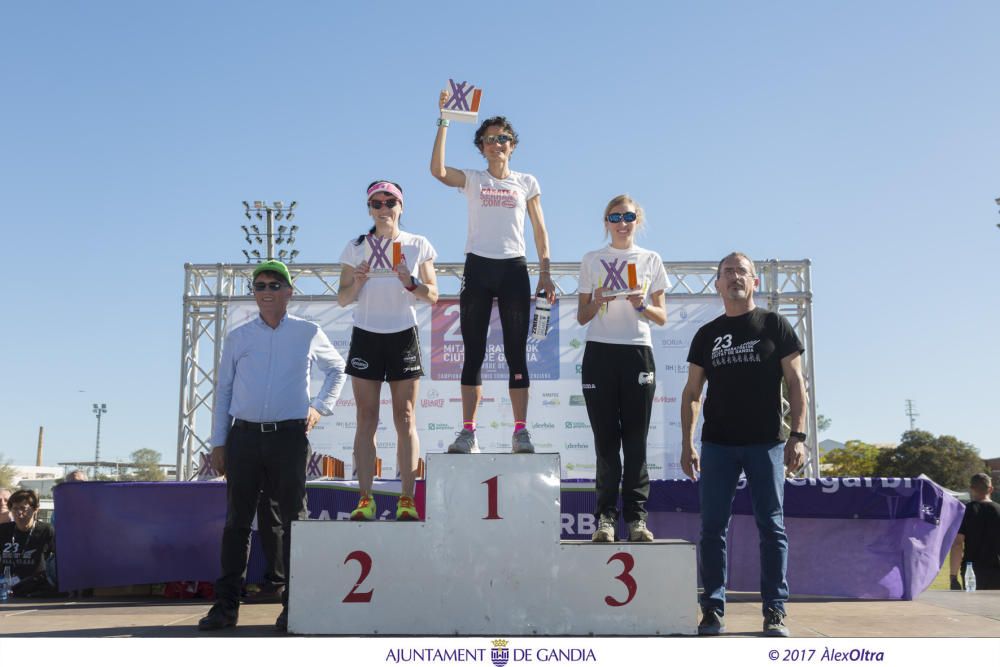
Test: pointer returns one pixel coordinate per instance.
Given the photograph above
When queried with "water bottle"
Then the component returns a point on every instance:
(5, 584)
(970, 577)
(540, 323)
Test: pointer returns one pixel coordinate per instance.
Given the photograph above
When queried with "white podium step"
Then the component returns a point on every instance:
(487, 560)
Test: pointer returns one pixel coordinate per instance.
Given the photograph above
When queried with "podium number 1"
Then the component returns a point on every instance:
(492, 485)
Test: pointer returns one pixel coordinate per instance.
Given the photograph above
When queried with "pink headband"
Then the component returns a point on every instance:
(387, 187)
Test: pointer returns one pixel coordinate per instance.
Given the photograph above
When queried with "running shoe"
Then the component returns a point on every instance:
(711, 623)
(465, 443)
(605, 530)
(774, 624)
(365, 511)
(521, 442)
(406, 510)
(637, 531)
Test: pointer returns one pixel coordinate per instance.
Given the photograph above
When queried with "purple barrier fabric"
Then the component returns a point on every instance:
(852, 538)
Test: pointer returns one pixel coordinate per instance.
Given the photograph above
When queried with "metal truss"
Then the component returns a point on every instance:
(209, 288)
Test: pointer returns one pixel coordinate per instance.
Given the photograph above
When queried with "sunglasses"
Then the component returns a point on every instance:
(388, 203)
(498, 139)
(273, 286)
(618, 217)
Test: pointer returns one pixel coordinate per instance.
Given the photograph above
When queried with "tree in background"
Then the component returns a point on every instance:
(823, 422)
(854, 459)
(149, 469)
(7, 473)
(944, 458)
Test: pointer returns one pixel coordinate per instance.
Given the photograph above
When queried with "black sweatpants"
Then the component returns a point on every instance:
(618, 386)
(507, 280)
(272, 464)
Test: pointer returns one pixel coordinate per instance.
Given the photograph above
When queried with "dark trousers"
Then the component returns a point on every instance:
(987, 577)
(272, 464)
(618, 387)
(271, 533)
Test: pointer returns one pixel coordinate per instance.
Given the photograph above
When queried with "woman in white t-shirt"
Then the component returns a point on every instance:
(379, 270)
(495, 267)
(621, 292)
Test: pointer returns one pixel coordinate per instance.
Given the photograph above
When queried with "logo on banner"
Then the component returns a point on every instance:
(578, 399)
(448, 350)
(499, 654)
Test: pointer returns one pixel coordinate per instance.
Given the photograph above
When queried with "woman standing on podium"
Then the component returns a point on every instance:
(620, 293)
(379, 270)
(495, 266)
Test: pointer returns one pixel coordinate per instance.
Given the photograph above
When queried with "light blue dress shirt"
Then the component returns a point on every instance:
(264, 374)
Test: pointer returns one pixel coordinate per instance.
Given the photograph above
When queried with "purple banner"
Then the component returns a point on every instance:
(852, 538)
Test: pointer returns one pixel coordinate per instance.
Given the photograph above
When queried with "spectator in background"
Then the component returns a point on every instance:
(5, 515)
(26, 545)
(76, 476)
(978, 539)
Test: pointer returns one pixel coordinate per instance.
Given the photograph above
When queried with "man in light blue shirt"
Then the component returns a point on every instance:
(262, 417)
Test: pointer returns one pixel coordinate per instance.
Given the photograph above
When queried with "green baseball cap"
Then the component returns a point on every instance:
(273, 266)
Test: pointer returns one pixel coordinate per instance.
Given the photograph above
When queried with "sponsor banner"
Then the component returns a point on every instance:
(557, 414)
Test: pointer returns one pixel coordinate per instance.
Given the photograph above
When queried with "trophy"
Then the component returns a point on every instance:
(462, 104)
(614, 284)
(377, 255)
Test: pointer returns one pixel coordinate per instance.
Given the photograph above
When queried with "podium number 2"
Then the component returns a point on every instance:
(627, 564)
(492, 485)
(366, 567)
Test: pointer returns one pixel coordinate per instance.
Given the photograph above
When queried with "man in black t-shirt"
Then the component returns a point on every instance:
(743, 355)
(978, 539)
(25, 546)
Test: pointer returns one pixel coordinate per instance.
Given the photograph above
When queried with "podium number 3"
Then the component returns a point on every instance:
(366, 567)
(627, 564)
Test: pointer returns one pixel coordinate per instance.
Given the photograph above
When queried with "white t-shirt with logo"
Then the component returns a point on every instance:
(496, 212)
(618, 322)
(384, 304)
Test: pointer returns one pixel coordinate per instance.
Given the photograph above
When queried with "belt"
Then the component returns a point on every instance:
(270, 427)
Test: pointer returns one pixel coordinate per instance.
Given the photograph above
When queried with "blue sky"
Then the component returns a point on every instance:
(863, 136)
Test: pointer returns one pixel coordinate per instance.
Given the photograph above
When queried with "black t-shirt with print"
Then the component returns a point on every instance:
(742, 357)
(26, 553)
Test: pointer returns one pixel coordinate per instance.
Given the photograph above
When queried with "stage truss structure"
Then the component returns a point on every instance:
(785, 287)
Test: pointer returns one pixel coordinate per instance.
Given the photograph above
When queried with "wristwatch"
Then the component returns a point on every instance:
(414, 283)
(798, 435)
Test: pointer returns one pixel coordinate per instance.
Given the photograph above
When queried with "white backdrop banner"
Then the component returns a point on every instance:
(557, 415)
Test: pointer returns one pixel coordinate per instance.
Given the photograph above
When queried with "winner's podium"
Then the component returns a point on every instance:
(487, 560)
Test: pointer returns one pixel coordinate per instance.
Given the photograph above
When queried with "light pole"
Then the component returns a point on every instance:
(98, 411)
(270, 213)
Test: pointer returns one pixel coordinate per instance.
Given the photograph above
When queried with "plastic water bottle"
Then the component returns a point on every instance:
(543, 310)
(970, 577)
(5, 584)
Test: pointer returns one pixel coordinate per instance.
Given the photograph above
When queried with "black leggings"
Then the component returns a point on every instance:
(507, 280)
(618, 387)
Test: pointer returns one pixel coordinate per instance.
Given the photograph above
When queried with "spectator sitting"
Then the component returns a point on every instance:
(26, 546)
(76, 476)
(5, 515)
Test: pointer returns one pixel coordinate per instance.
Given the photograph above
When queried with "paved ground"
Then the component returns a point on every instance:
(934, 614)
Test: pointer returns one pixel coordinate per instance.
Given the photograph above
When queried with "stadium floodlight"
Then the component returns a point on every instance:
(282, 254)
(247, 255)
(99, 410)
(291, 257)
(265, 234)
(255, 253)
(997, 200)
